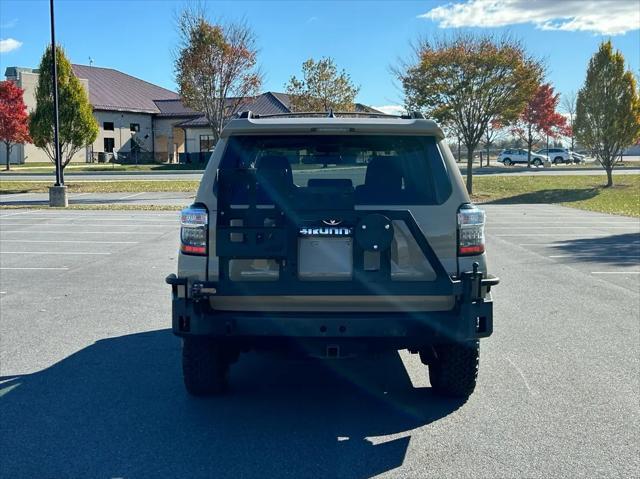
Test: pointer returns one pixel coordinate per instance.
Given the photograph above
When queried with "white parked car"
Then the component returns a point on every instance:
(519, 155)
(561, 155)
(578, 157)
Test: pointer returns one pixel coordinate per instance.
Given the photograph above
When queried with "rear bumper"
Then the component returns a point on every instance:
(469, 319)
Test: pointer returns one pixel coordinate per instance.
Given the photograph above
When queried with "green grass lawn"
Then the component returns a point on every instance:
(584, 192)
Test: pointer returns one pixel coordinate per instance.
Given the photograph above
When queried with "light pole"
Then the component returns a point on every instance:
(58, 192)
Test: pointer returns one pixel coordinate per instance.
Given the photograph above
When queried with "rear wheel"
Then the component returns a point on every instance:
(537, 162)
(454, 368)
(204, 366)
(558, 159)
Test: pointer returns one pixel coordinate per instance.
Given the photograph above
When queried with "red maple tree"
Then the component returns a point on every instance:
(540, 118)
(14, 119)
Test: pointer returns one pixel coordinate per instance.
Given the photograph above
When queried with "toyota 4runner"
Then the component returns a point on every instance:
(332, 236)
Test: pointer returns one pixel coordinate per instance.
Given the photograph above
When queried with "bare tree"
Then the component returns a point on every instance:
(215, 66)
(568, 105)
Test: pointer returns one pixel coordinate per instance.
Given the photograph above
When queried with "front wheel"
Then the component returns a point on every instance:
(453, 371)
(537, 162)
(204, 367)
(507, 162)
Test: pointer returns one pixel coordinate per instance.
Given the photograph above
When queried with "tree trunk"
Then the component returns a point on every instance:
(487, 154)
(470, 170)
(458, 159)
(7, 167)
(609, 170)
(529, 143)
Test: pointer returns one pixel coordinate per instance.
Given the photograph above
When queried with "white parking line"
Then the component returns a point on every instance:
(592, 256)
(581, 235)
(630, 226)
(54, 252)
(67, 241)
(562, 244)
(15, 214)
(86, 224)
(86, 232)
(39, 269)
(615, 272)
(568, 223)
(133, 215)
(81, 218)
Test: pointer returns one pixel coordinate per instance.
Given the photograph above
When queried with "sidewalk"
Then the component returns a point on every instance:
(164, 199)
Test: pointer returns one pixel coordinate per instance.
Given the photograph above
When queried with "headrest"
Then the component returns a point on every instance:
(383, 172)
(278, 164)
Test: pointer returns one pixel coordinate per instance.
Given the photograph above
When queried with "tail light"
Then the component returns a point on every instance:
(194, 224)
(470, 230)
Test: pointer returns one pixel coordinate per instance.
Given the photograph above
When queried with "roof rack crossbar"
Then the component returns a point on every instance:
(413, 115)
(312, 114)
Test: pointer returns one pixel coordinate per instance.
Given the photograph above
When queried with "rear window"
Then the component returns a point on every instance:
(396, 170)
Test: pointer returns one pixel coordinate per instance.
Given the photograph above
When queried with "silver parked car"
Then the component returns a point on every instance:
(561, 155)
(519, 155)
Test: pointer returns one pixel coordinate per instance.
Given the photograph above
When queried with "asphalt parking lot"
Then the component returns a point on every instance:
(90, 382)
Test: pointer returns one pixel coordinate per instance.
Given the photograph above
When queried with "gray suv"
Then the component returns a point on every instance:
(332, 237)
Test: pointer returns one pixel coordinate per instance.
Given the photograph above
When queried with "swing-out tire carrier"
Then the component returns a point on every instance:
(470, 318)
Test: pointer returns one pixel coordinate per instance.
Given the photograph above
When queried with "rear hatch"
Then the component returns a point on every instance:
(334, 223)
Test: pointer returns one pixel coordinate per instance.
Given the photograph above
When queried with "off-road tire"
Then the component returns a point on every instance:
(204, 367)
(454, 370)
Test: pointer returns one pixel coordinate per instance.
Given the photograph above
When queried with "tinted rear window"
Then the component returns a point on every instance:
(376, 169)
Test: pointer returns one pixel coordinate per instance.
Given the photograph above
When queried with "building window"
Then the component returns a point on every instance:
(107, 125)
(206, 143)
(108, 145)
(134, 127)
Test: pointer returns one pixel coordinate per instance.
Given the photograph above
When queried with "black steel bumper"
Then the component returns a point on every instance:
(471, 318)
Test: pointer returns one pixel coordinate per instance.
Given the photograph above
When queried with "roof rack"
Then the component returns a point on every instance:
(332, 114)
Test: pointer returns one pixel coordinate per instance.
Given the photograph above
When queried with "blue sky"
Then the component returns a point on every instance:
(364, 37)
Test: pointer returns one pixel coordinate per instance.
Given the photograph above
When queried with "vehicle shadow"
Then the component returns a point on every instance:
(548, 196)
(118, 409)
(619, 250)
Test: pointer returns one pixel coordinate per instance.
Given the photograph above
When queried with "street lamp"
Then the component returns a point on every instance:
(58, 192)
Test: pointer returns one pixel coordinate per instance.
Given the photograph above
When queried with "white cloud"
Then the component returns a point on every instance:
(607, 17)
(9, 44)
(391, 109)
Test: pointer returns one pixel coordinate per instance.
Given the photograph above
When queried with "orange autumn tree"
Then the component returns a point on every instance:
(14, 119)
(467, 81)
(540, 118)
(215, 67)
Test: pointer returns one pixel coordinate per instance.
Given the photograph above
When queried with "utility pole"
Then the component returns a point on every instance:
(58, 192)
